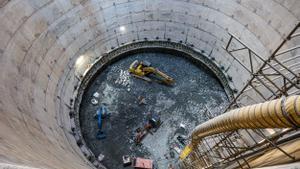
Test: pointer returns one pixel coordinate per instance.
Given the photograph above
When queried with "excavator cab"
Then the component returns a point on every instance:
(143, 70)
(136, 67)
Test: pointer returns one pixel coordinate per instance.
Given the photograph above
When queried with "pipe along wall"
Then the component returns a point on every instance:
(279, 113)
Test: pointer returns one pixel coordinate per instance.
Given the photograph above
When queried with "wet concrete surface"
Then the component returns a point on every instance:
(183, 103)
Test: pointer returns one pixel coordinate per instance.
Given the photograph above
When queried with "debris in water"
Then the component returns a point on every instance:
(94, 101)
(96, 94)
(100, 157)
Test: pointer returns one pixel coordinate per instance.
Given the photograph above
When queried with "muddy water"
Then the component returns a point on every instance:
(184, 103)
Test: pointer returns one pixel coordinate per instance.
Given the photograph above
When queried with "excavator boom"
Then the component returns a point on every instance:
(164, 77)
(142, 69)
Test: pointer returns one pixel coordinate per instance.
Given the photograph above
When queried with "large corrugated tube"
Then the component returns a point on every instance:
(279, 113)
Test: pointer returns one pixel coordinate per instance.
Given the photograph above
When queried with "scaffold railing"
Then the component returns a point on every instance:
(270, 77)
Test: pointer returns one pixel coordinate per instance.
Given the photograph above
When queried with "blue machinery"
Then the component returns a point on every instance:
(101, 114)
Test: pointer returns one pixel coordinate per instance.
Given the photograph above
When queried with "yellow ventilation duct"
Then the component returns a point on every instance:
(279, 113)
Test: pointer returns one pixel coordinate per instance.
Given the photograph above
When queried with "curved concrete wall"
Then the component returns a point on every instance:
(41, 40)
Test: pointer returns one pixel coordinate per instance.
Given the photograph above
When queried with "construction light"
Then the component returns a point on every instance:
(122, 29)
(80, 61)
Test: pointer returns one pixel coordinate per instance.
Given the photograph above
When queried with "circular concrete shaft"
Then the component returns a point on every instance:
(42, 39)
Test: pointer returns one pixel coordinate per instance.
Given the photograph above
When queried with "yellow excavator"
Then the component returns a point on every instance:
(143, 70)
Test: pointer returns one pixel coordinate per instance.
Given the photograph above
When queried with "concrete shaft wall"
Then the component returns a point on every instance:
(40, 41)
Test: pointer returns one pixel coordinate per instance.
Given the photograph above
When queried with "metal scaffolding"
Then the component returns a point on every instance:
(270, 78)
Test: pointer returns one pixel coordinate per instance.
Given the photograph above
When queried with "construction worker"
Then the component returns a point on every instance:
(171, 166)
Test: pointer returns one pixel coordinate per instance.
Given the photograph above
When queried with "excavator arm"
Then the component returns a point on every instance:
(141, 69)
(163, 77)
